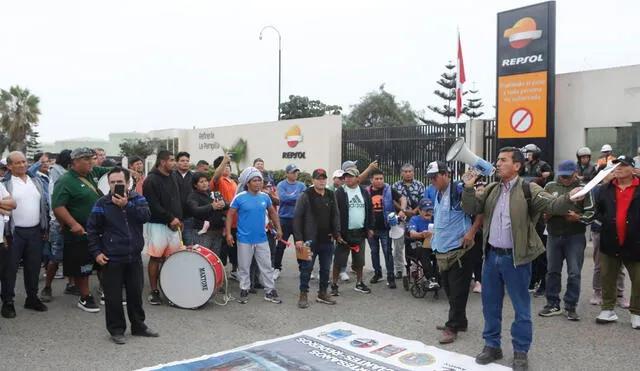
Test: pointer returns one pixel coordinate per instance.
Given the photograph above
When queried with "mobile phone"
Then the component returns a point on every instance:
(217, 196)
(119, 190)
(378, 159)
(232, 155)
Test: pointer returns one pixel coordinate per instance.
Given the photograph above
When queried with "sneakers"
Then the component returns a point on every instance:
(35, 304)
(572, 315)
(276, 274)
(635, 321)
(314, 276)
(72, 290)
(607, 316)
(88, 304)
(102, 298)
(361, 287)
(147, 333)
(324, 298)
(8, 310)
(477, 287)
(433, 284)
(550, 311)
(391, 282)
(539, 292)
(344, 276)
(154, 298)
(334, 290)
(303, 301)
(273, 297)
(118, 339)
(244, 297)
(234, 274)
(376, 278)
(46, 295)
(596, 299)
(622, 302)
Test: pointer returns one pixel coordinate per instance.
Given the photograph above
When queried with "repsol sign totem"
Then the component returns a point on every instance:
(526, 77)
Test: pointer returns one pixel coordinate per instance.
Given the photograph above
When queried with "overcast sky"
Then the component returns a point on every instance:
(117, 66)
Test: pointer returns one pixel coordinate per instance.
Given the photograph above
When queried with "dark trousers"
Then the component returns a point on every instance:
(27, 246)
(230, 252)
(476, 257)
(114, 276)
(539, 266)
(456, 281)
(287, 231)
(324, 251)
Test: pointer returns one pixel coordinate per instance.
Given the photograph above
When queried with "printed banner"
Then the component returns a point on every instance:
(337, 346)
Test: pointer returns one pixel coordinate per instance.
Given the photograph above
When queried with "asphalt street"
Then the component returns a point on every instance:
(66, 338)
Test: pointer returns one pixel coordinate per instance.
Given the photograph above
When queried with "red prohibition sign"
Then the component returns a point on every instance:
(521, 120)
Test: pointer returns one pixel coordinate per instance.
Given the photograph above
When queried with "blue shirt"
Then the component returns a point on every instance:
(289, 194)
(418, 224)
(450, 222)
(431, 193)
(251, 216)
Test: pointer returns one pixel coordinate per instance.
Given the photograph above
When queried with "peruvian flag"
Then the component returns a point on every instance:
(460, 80)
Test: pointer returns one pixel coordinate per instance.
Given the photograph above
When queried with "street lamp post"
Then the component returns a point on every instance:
(279, 62)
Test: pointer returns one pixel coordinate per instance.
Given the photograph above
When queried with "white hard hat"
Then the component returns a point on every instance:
(606, 148)
(583, 151)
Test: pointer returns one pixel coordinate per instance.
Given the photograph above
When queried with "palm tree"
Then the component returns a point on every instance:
(19, 112)
(240, 150)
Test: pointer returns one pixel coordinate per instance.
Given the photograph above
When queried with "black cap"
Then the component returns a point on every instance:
(319, 173)
(625, 160)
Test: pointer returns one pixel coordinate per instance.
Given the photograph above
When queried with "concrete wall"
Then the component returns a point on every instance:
(320, 144)
(599, 98)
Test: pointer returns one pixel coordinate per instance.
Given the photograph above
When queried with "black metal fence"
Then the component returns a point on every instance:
(395, 146)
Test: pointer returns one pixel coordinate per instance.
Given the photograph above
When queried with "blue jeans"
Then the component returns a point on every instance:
(188, 233)
(381, 237)
(561, 248)
(324, 252)
(498, 271)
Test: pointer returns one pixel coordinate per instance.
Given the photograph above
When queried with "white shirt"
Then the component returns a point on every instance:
(27, 197)
(3, 218)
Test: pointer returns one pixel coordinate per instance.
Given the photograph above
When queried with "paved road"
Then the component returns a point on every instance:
(66, 338)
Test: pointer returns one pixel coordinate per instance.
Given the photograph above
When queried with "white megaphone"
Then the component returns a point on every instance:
(460, 152)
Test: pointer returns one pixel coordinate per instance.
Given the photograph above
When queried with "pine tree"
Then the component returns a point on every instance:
(473, 104)
(32, 143)
(448, 82)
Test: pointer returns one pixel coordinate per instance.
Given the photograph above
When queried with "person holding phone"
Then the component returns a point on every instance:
(115, 240)
(207, 208)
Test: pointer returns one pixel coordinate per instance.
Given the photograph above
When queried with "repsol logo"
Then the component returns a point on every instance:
(294, 155)
(203, 280)
(522, 60)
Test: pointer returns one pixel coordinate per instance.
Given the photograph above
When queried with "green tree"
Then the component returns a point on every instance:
(299, 107)
(142, 147)
(472, 106)
(240, 150)
(380, 109)
(448, 94)
(33, 143)
(19, 112)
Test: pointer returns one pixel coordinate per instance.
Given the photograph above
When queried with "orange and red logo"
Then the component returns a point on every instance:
(293, 136)
(523, 32)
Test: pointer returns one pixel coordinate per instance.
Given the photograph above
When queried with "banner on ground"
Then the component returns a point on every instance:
(337, 346)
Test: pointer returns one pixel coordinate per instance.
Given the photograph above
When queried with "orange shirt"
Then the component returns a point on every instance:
(227, 188)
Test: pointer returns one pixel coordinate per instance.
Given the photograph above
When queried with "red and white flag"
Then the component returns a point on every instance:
(460, 80)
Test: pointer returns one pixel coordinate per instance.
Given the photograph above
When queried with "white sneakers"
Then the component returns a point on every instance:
(607, 316)
(635, 321)
(344, 276)
(276, 274)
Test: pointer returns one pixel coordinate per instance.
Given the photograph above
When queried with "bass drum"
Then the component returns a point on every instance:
(191, 276)
(103, 184)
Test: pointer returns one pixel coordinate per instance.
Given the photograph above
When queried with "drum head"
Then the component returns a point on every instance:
(396, 231)
(187, 279)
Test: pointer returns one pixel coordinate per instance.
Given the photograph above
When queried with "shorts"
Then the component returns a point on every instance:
(78, 261)
(56, 240)
(161, 240)
(353, 238)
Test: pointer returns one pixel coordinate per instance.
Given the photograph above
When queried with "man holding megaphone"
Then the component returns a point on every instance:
(510, 244)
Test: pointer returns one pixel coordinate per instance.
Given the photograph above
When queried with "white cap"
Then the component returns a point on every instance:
(606, 148)
(338, 174)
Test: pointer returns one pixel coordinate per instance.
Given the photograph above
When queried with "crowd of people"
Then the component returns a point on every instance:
(512, 236)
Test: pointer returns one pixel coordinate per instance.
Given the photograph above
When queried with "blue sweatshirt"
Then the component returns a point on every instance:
(289, 194)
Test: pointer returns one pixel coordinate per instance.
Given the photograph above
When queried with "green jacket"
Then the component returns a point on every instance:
(526, 243)
(558, 225)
